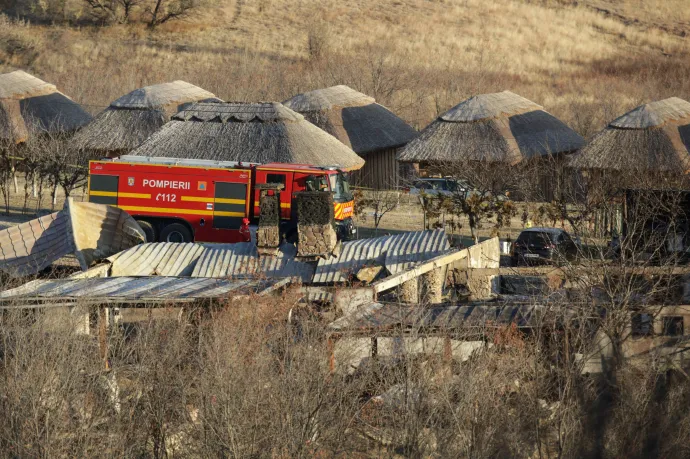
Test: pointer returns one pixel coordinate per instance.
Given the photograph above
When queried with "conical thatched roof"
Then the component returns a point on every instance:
(28, 104)
(652, 137)
(501, 127)
(353, 118)
(250, 132)
(132, 118)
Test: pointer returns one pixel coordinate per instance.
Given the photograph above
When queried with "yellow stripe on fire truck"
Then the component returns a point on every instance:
(166, 210)
(115, 194)
(216, 200)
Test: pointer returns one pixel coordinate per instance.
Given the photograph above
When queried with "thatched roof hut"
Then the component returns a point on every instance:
(28, 104)
(132, 118)
(653, 137)
(353, 118)
(370, 129)
(498, 128)
(250, 132)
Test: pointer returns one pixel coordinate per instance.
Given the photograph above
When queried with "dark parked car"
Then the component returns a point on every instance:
(543, 244)
(439, 186)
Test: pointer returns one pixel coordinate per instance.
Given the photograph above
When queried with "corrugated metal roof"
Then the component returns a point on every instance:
(132, 289)
(101, 230)
(32, 246)
(162, 259)
(208, 260)
(243, 259)
(397, 252)
(383, 316)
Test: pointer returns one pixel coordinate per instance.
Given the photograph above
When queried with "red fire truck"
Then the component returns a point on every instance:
(179, 200)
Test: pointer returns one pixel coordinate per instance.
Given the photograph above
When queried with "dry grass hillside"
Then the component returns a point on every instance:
(585, 61)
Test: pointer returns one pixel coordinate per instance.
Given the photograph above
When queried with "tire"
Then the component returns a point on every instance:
(176, 232)
(149, 231)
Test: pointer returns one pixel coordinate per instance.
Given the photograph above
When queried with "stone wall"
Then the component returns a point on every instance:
(268, 232)
(315, 232)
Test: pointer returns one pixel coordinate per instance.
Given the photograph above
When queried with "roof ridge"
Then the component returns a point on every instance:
(653, 114)
(488, 106)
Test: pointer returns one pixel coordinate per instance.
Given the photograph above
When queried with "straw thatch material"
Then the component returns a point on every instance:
(652, 137)
(134, 117)
(30, 105)
(353, 118)
(249, 132)
(501, 127)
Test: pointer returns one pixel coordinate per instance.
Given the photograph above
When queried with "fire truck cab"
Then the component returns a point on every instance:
(176, 200)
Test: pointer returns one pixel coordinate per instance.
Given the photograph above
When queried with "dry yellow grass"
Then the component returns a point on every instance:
(417, 56)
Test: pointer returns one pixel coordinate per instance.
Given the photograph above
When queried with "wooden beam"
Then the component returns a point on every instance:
(417, 270)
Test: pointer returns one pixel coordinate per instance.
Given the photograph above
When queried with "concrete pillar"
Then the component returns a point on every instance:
(432, 286)
(409, 291)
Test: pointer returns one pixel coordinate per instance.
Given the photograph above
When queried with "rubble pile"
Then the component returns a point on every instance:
(316, 236)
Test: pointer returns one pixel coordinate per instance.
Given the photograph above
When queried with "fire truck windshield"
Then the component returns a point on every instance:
(340, 187)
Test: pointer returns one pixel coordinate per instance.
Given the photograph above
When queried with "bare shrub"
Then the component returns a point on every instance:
(318, 40)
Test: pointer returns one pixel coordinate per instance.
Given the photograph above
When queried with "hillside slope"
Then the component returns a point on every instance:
(585, 62)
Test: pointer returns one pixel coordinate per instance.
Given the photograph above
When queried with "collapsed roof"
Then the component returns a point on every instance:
(90, 231)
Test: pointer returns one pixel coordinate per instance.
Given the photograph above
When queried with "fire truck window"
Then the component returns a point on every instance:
(314, 183)
(673, 326)
(276, 178)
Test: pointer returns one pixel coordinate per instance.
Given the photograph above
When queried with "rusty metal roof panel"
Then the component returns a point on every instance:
(116, 289)
(32, 246)
(397, 252)
(242, 259)
(162, 259)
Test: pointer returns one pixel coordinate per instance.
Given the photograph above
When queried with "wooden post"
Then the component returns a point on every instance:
(448, 355)
(103, 336)
(330, 344)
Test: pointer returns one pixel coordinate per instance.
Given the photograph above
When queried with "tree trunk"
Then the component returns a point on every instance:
(473, 227)
(154, 16)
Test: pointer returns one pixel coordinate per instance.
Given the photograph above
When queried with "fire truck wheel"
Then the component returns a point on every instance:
(176, 232)
(149, 230)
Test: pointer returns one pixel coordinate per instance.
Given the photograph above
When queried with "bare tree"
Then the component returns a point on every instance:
(482, 192)
(380, 201)
(162, 11)
(8, 151)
